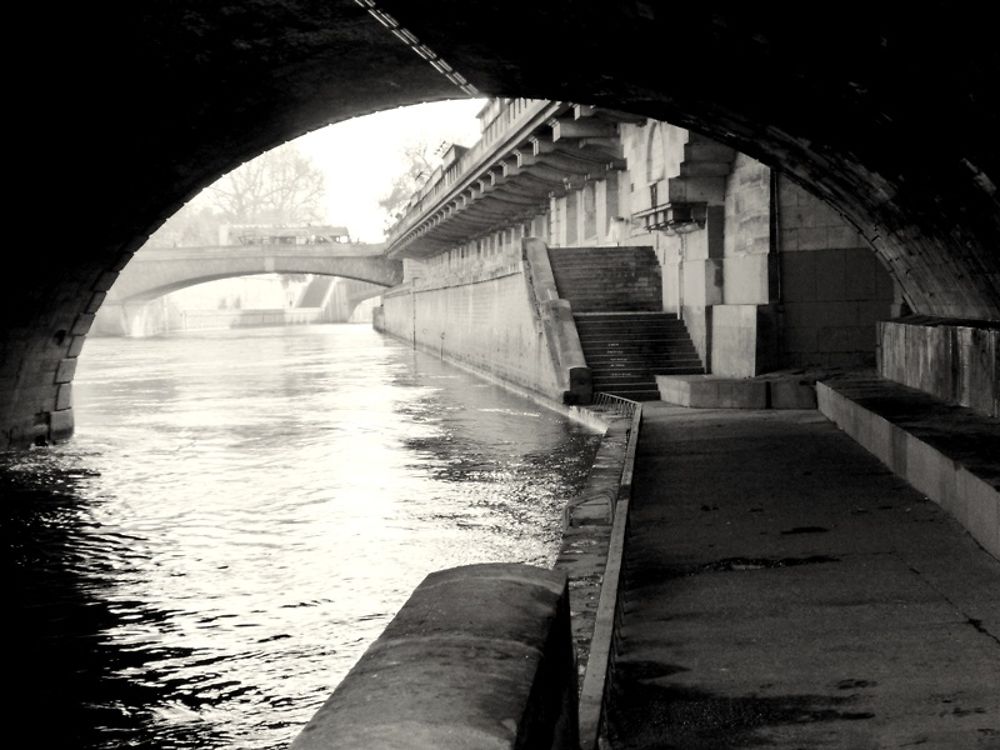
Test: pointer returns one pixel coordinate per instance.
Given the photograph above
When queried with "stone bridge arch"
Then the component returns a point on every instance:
(158, 271)
(890, 117)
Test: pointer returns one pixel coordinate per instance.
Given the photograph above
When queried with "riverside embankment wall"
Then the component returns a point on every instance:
(483, 655)
(481, 318)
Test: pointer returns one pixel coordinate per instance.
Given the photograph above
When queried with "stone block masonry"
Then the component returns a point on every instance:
(480, 656)
(485, 322)
(955, 360)
(948, 453)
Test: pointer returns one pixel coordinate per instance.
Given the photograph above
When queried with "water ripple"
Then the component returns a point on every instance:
(242, 512)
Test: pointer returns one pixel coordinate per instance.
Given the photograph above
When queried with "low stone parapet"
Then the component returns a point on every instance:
(479, 657)
(955, 360)
(949, 453)
(721, 392)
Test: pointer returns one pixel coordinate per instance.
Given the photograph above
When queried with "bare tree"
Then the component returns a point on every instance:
(420, 160)
(195, 224)
(282, 186)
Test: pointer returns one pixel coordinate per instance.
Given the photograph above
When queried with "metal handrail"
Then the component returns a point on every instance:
(598, 682)
(609, 403)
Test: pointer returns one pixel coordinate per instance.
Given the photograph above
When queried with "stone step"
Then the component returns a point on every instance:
(653, 339)
(618, 303)
(649, 363)
(637, 360)
(601, 376)
(596, 316)
(630, 378)
(618, 306)
(635, 291)
(595, 291)
(643, 395)
(607, 259)
(607, 250)
(607, 279)
(620, 279)
(625, 385)
(604, 282)
(617, 299)
(583, 265)
(638, 337)
(625, 334)
(608, 275)
(626, 325)
(638, 394)
(611, 359)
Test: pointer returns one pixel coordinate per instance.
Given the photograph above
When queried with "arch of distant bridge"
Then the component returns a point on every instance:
(156, 271)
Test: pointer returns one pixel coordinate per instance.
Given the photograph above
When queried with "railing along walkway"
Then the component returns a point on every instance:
(598, 678)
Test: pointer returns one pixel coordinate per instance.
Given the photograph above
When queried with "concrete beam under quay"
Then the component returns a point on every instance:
(480, 656)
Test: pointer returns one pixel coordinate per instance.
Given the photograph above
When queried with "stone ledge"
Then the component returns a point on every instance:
(949, 453)
(952, 359)
(720, 392)
(480, 656)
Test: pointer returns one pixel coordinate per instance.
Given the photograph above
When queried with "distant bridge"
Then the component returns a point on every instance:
(154, 272)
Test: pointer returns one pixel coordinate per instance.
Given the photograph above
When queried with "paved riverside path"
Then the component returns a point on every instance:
(784, 590)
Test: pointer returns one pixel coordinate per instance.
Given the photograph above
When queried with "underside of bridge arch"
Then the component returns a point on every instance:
(891, 117)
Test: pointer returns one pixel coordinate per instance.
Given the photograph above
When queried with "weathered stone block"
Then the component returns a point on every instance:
(64, 396)
(66, 370)
(480, 656)
(787, 393)
(951, 361)
(105, 281)
(734, 340)
(82, 324)
(983, 510)
(949, 481)
(746, 394)
(61, 425)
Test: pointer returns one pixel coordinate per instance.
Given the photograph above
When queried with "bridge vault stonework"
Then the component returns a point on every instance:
(901, 142)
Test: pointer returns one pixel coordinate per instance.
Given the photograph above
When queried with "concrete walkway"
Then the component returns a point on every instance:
(784, 590)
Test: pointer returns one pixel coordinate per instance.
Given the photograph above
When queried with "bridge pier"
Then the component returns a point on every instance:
(136, 319)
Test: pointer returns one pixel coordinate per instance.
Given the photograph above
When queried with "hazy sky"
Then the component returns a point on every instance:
(361, 157)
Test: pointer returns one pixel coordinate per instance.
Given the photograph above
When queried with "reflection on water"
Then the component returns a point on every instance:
(241, 513)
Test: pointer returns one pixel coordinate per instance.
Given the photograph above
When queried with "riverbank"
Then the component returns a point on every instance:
(579, 414)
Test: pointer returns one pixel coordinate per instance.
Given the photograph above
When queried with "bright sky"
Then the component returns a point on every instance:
(361, 157)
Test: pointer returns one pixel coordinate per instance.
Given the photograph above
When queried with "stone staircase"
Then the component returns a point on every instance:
(608, 279)
(617, 303)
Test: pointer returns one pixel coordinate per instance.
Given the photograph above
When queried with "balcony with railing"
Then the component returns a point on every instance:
(530, 150)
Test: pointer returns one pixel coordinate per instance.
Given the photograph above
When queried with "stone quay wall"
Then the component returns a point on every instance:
(480, 318)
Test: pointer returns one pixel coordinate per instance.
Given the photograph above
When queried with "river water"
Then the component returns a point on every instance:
(239, 516)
